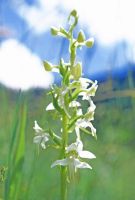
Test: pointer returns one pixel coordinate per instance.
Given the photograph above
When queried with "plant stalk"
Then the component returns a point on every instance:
(64, 168)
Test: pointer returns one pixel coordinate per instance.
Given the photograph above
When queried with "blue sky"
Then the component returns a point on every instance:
(26, 41)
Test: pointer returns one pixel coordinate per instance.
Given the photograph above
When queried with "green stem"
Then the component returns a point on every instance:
(72, 51)
(64, 168)
(63, 183)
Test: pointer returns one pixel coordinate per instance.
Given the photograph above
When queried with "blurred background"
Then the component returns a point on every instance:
(25, 41)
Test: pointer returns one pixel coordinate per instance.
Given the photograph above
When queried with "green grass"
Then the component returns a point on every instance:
(32, 178)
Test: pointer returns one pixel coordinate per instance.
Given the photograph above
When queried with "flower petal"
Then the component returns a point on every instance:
(50, 107)
(79, 145)
(71, 147)
(93, 88)
(79, 164)
(93, 130)
(76, 146)
(86, 154)
(85, 82)
(74, 104)
(89, 92)
(92, 107)
(41, 139)
(45, 137)
(79, 112)
(82, 123)
(37, 128)
(62, 162)
(85, 96)
(37, 139)
(43, 145)
(77, 130)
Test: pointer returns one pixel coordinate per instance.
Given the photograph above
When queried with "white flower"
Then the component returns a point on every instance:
(85, 82)
(75, 151)
(84, 123)
(72, 163)
(72, 104)
(78, 147)
(86, 95)
(41, 137)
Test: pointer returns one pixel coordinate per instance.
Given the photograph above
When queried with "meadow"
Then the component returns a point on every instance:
(28, 174)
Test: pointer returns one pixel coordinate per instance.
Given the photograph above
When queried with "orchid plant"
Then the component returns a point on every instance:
(65, 101)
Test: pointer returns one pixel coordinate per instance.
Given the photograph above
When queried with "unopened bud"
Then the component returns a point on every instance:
(81, 37)
(73, 13)
(89, 43)
(48, 66)
(76, 71)
(54, 31)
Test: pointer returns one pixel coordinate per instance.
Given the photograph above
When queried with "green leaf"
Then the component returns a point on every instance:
(62, 67)
(66, 77)
(55, 137)
(56, 105)
(16, 154)
(73, 121)
(75, 85)
(75, 94)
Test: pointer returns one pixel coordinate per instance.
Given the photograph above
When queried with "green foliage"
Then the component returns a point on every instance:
(115, 153)
(16, 153)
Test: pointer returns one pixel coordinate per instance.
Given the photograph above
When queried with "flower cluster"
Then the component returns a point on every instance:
(65, 101)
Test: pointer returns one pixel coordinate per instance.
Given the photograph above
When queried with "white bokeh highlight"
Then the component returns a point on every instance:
(20, 68)
(108, 20)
